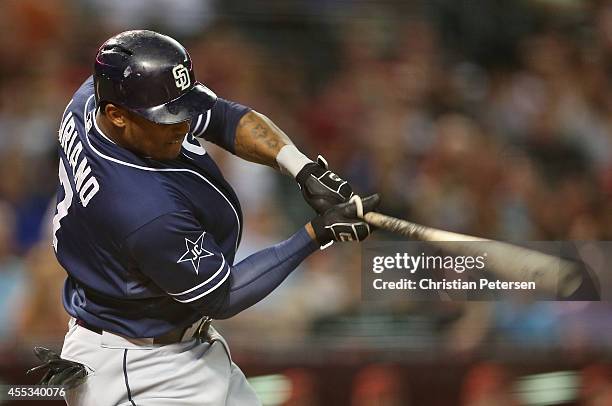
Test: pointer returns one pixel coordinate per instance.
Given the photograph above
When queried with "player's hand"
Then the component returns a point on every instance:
(342, 222)
(322, 188)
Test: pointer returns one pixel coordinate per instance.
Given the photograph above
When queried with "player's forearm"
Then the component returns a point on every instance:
(259, 140)
(257, 276)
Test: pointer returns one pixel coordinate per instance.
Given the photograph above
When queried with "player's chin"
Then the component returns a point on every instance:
(171, 151)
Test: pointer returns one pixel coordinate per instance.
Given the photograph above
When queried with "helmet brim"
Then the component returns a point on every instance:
(196, 101)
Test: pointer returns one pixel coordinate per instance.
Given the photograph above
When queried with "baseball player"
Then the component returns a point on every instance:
(147, 229)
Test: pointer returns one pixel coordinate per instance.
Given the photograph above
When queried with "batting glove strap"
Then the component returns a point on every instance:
(341, 223)
(321, 187)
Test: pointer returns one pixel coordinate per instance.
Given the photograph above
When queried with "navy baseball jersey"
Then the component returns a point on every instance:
(143, 242)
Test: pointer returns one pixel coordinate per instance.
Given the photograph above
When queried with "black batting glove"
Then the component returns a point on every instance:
(341, 222)
(322, 188)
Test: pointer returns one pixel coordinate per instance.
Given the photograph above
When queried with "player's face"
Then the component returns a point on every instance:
(157, 141)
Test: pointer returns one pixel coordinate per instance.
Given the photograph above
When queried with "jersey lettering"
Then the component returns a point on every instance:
(81, 173)
(74, 155)
(87, 186)
(64, 205)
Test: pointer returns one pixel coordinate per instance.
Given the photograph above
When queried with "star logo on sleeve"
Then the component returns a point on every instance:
(195, 252)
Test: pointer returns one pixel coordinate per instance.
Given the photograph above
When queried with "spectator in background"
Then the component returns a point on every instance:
(488, 384)
(379, 385)
(596, 389)
(304, 387)
(42, 315)
(13, 283)
(27, 198)
(183, 17)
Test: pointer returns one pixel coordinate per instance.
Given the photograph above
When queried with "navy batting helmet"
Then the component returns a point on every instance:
(150, 74)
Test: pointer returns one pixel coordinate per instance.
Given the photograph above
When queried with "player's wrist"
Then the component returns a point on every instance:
(291, 161)
(310, 231)
(321, 234)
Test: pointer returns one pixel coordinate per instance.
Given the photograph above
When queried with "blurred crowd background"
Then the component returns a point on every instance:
(491, 118)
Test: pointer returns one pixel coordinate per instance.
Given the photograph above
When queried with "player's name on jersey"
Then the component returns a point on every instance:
(454, 284)
(87, 185)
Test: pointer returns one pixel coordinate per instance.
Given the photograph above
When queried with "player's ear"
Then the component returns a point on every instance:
(116, 115)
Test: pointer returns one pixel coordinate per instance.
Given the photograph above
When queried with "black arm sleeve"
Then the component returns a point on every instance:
(258, 275)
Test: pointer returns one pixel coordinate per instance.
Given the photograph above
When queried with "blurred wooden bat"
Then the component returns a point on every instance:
(552, 275)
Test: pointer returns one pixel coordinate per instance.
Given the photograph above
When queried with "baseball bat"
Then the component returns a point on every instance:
(551, 274)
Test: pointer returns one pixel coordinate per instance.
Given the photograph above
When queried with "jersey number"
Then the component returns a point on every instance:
(64, 205)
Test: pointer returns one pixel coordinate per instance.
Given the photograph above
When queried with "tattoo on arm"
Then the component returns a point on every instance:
(259, 140)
